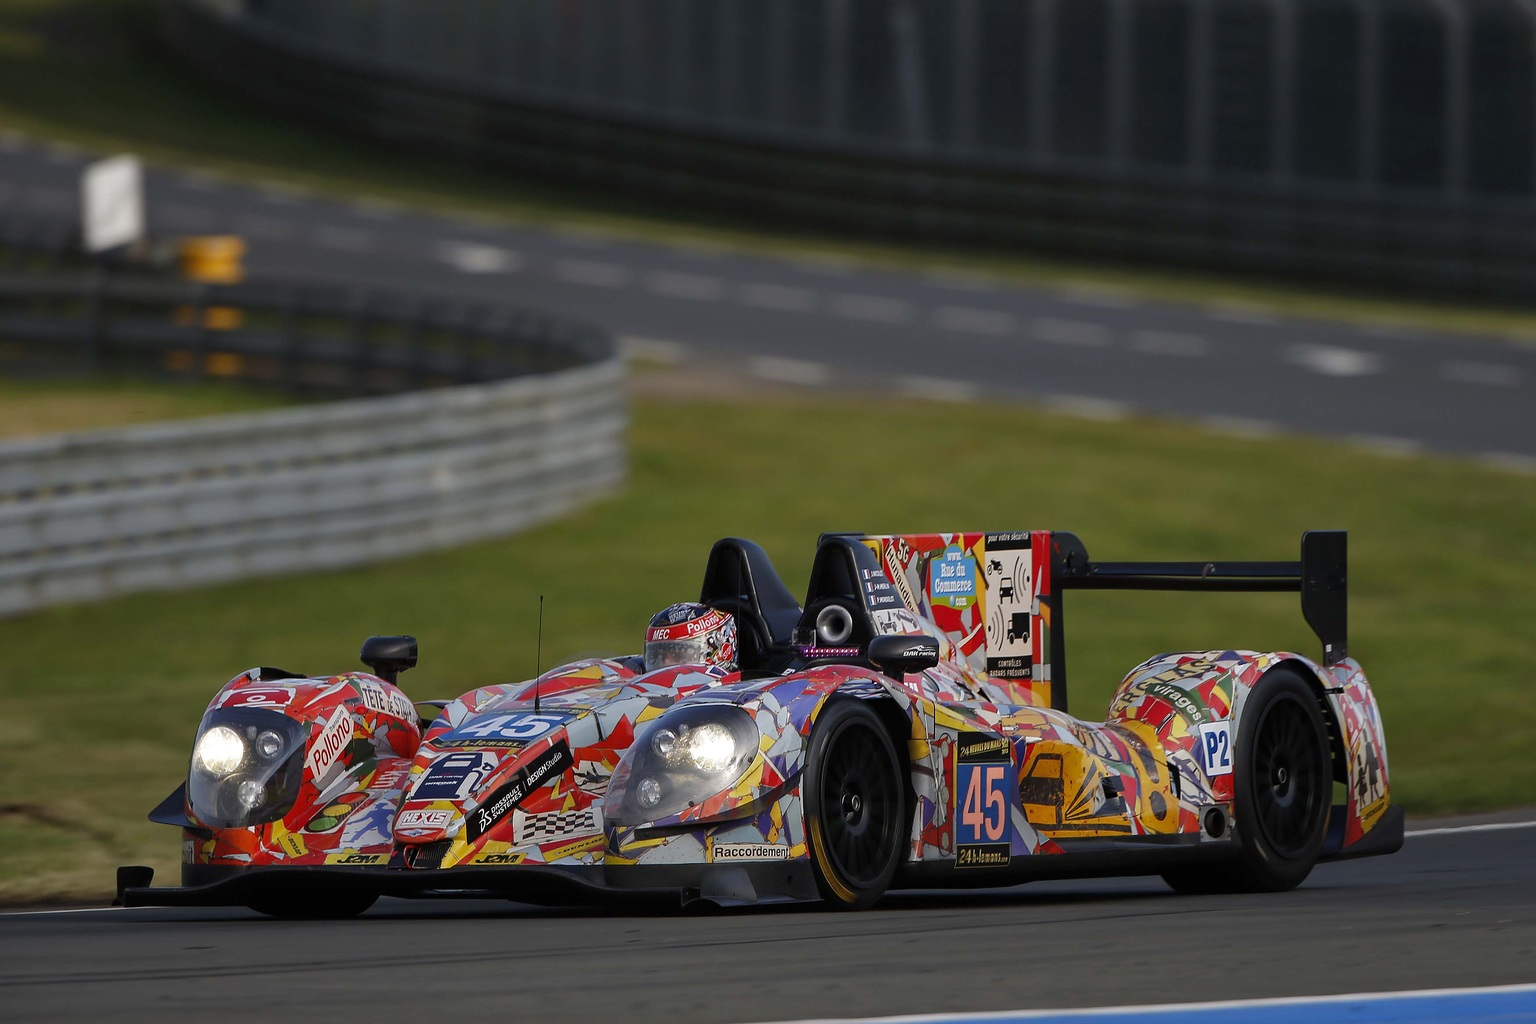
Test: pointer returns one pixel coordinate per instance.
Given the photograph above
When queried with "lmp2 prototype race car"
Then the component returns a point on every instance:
(905, 728)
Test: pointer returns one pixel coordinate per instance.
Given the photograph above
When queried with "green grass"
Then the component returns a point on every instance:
(94, 72)
(100, 701)
(31, 407)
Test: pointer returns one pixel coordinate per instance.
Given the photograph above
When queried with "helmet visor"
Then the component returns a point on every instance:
(664, 653)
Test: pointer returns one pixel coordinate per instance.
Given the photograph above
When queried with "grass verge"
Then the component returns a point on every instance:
(30, 407)
(93, 72)
(101, 700)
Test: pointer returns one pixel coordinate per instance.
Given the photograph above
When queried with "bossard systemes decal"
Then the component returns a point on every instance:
(501, 803)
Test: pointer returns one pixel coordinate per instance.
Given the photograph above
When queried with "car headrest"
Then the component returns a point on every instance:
(739, 574)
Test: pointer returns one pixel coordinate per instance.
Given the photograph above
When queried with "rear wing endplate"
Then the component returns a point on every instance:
(1321, 576)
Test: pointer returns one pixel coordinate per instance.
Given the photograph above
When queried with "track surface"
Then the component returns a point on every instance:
(1454, 909)
(1095, 353)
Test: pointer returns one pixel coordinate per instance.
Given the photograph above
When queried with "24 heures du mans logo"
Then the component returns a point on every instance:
(499, 804)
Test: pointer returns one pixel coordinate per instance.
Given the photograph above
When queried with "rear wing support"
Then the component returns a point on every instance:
(1321, 577)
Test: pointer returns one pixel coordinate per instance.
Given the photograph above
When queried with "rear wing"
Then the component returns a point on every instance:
(1321, 577)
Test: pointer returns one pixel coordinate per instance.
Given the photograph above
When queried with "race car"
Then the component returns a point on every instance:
(311, 796)
(906, 728)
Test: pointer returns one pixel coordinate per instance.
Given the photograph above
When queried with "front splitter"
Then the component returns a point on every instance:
(546, 885)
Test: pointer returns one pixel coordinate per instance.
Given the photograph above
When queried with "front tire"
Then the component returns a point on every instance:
(855, 804)
(1283, 788)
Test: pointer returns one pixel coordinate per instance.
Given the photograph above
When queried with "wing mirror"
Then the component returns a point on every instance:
(897, 656)
(388, 656)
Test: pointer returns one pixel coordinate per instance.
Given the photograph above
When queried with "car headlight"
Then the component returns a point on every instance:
(687, 755)
(247, 766)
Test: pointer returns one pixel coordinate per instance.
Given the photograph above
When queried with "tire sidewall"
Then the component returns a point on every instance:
(837, 720)
(1265, 868)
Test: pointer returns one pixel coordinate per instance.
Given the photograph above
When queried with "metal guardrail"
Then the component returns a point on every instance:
(1365, 141)
(531, 427)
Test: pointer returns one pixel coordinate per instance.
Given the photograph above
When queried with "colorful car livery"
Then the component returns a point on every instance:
(905, 727)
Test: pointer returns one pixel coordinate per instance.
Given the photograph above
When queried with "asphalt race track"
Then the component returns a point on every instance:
(1451, 910)
(1102, 354)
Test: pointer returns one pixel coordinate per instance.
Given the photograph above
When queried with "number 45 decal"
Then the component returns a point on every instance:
(984, 803)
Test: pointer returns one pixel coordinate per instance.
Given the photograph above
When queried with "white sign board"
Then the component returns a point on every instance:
(112, 196)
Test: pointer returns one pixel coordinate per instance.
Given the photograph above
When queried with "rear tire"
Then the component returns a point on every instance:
(855, 805)
(1283, 788)
(330, 907)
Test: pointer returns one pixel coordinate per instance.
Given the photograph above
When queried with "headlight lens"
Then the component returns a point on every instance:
(247, 766)
(689, 754)
(220, 750)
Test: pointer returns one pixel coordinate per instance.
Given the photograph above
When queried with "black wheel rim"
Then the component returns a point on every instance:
(1287, 777)
(858, 807)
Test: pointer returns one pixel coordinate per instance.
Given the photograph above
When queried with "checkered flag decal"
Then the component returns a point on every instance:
(528, 829)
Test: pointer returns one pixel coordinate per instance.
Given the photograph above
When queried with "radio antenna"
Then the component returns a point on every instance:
(538, 657)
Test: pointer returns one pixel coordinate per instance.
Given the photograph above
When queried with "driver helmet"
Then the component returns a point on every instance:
(691, 634)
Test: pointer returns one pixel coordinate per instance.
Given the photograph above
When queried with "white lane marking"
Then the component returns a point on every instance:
(1170, 1009)
(65, 910)
(975, 321)
(790, 371)
(938, 389)
(12, 141)
(1240, 427)
(1169, 343)
(962, 280)
(1237, 312)
(872, 308)
(375, 208)
(1069, 332)
(199, 180)
(474, 258)
(1498, 826)
(266, 229)
(655, 350)
(783, 298)
(1097, 295)
(1332, 361)
(592, 274)
(1509, 462)
(342, 239)
(679, 284)
(1102, 410)
(1496, 375)
(1392, 447)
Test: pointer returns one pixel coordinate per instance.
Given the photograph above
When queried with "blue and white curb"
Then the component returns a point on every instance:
(1506, 1004)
